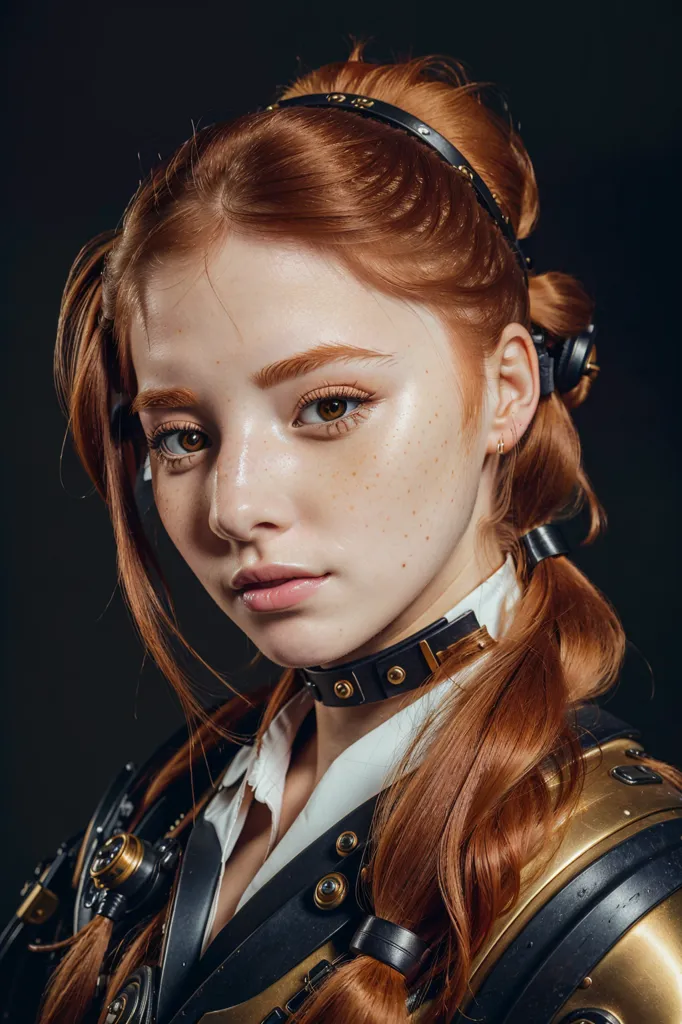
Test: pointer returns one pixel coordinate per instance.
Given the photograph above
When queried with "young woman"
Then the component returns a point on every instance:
(317, 331)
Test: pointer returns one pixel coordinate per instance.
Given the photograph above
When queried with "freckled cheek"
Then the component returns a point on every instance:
(398, 479)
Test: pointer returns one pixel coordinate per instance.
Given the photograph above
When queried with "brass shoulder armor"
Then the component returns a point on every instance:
(596, 937)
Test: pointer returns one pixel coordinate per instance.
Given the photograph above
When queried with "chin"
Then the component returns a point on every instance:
(301, 644)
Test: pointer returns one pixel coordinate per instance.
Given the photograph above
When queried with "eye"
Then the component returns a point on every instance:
(173, 442)
(328, 409)
(183, 442)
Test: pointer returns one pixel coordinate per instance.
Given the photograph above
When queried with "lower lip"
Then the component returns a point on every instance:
(281, 595)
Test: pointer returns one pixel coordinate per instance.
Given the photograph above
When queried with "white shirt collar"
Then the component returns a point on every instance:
(360, 771)
(492, 602)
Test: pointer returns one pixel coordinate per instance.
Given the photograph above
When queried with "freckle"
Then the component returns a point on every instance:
(377, 474)
(403, 565)
(435, 460)
(355, 474)
(414, 511)
(428, 538)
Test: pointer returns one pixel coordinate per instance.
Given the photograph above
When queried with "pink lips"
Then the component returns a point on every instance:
(274, 586)
(276, 595)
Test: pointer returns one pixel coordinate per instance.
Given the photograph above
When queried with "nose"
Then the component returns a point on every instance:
(251, 489)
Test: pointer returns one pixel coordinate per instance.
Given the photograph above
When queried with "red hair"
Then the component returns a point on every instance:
(450, 839)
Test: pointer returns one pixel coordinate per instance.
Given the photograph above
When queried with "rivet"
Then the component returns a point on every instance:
(423, 130)
(585, 983)
(396, 675)
(330, 891)
(343, 689)
(634, 752)
(346, 843)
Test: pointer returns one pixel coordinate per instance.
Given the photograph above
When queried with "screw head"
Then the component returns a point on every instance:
(346, 843)
(330, 891)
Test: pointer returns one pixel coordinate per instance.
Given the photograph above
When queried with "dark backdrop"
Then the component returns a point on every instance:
(95, 92)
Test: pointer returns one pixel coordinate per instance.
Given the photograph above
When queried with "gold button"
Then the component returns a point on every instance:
(331, 891)
(343, 689)
(346, 843)
(396, 675)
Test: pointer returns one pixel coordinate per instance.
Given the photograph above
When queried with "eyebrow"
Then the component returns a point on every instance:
(164, 398)
(312, 359)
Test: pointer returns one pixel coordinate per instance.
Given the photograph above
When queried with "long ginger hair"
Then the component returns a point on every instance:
(451, 837)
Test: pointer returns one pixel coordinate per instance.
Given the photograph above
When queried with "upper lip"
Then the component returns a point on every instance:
(266, 573)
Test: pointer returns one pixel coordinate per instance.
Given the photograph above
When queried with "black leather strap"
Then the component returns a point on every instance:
(398, 668)
(595, 726)
(199, 874)
(279, 926)
(398, 947)
(545, 541)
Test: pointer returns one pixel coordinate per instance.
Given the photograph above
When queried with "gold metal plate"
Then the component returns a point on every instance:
(639, 980)
(39, 905)
(253, 1011)
(608, 813)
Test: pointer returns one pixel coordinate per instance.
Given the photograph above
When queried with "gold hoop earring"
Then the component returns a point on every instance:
(500, 446)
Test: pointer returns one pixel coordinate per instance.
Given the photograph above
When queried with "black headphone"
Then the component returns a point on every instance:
(567, 361)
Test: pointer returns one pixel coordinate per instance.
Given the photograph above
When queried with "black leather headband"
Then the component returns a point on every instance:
(398, 947)
(400, 118)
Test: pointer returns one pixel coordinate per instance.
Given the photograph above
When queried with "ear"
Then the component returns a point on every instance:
(514, 382)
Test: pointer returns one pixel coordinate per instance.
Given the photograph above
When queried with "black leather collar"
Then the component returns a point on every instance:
(398, 668)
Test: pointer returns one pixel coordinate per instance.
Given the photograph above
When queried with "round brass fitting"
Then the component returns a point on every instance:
(116, 860)
(346, 843)
(396, 675)
(331, 891)
(343, 689)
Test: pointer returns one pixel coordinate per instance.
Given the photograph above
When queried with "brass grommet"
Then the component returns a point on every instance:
(346, 843)
(396, 675)
(331, 891)
(343, 689)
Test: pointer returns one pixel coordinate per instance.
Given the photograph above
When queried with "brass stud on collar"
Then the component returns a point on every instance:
(396, 675)
(346, 843)
(343, 689)
(331, 891)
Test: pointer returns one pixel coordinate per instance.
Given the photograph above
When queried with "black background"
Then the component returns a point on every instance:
(94, 93)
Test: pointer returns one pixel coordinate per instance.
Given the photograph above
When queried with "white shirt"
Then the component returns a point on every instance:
(358, 773)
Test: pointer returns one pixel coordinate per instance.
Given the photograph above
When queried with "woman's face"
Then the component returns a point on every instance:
(305, 424)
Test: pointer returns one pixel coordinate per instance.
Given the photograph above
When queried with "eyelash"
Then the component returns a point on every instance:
(342, 425)
(157, 437)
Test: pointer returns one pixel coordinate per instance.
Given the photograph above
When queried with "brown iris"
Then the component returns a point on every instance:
(332, 408)
(191, 440)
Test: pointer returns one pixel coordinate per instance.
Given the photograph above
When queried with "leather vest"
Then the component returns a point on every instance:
(595, 937)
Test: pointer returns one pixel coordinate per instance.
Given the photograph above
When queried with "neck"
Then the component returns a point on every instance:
(332, 729)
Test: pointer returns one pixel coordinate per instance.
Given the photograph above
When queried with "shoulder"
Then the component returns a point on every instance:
(60, 898)
(596, 935)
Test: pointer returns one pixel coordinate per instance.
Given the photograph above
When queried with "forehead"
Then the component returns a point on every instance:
(262, 299)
